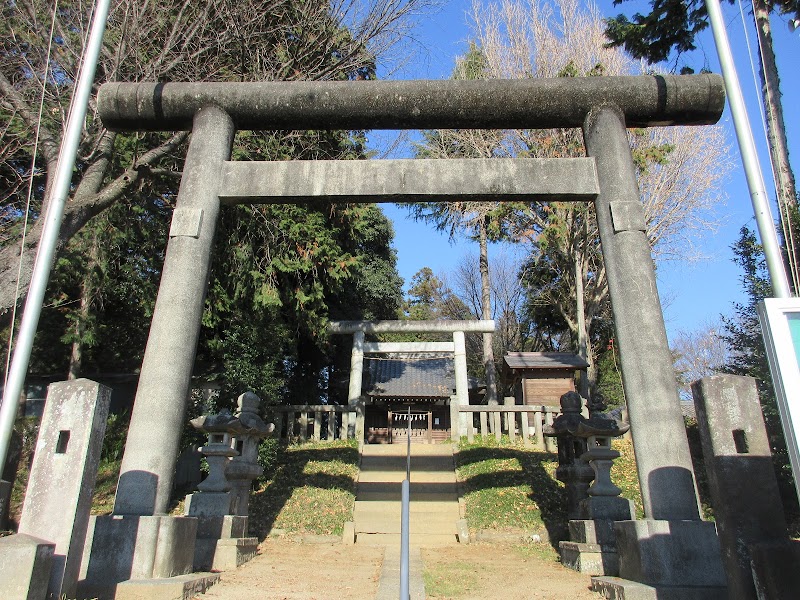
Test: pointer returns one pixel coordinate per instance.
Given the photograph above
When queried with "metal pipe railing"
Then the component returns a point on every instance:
(404, 518)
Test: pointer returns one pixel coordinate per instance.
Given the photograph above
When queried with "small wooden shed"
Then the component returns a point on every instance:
(541, 378)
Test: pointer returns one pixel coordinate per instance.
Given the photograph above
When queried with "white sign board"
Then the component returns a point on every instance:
(780, 324)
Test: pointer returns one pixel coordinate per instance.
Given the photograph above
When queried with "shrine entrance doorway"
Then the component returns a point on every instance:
(421, 430)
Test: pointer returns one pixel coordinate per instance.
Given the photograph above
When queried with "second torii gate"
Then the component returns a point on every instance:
(360, 347)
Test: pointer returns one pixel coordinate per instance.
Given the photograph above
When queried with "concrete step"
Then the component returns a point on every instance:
(417, 540)
(399, 476)
(414, 507)
(400, 461)
(378, 495)
(417, 488)
(440, 526)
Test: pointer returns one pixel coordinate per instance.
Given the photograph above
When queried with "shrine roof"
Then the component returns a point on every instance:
(418, 377)
(544, 360)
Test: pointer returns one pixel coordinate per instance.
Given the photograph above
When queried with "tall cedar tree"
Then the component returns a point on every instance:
(672, 25)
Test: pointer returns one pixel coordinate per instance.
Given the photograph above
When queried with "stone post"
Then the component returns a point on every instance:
(672, 551)
(5, 498)
(145, 480)
(356, 378)
(139, 540)
(59, 495)
(760, 560)
(462, 382)
(662, 451)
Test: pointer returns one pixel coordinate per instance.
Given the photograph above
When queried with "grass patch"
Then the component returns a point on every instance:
(105, 488)
(538, 550)
(624, 474)
(508, 487)
(450, 580)
(311, 490)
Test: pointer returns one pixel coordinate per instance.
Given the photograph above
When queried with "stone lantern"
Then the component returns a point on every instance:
(573, 471)
(250, 429)
(592, 548)
(222, 542)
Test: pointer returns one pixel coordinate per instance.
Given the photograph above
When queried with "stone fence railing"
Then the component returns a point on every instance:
(512, 419)
(309, 421)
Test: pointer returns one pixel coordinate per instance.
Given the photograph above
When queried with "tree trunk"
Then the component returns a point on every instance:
(580, 319)
(87, 297)
(90, 198)
(776, 133)
(486, 313)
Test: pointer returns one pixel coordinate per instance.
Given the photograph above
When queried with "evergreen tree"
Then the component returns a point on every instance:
(670, 30)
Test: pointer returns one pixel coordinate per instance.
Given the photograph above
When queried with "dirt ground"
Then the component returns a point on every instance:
(287, 570)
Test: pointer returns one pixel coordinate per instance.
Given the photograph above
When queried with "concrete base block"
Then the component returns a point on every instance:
(776, 569)
(207, 504)
(615, 588)
(592, 559)
(175, 549)
(349, 533)
(229, 526)
(182, 587)
(5, 499)
(670, 553)
(224, 554)
(232, 553)
(123, 547)
(462, 531)
(611, 508)
(25, 564)
(593, 532)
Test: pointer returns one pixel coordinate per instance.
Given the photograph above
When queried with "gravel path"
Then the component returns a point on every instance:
(288, 570)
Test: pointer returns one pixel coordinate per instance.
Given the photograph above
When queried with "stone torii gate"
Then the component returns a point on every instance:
(602, 106)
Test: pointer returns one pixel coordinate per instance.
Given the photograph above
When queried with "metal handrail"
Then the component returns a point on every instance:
(404, 518)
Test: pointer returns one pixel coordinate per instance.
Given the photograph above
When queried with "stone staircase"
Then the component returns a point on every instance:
(434, 508)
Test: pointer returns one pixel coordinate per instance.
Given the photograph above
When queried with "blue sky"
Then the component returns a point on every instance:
(693, 294)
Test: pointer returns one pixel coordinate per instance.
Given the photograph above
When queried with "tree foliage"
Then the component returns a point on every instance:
(671, 25)
(670, 30)
(279, 271)
(679, 169)
(218, 40)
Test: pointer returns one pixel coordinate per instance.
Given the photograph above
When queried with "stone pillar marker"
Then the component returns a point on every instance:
(157, 420)
(760, 560)
(5, 497)
(59, 495)
(672, 550)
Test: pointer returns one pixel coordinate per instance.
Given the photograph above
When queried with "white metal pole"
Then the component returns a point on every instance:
(53, 217)
(747, 148)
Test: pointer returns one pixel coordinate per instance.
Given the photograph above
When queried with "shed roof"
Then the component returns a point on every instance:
(544, 360)
(418, 378)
